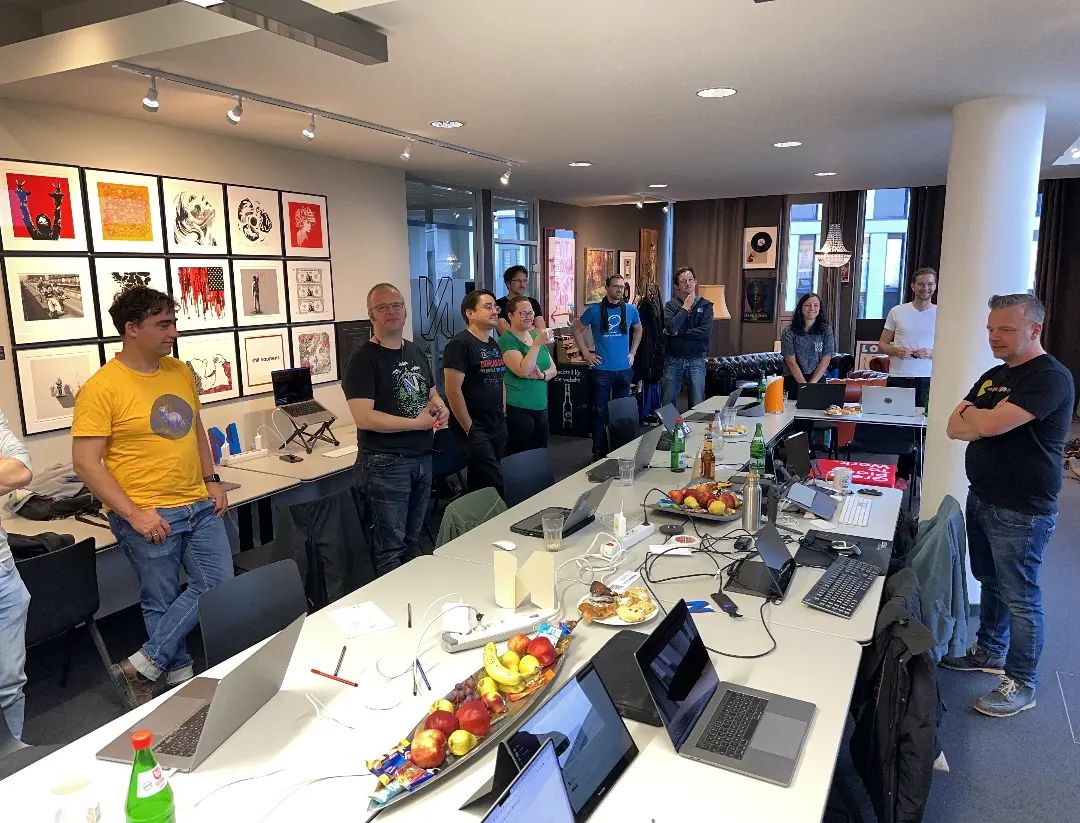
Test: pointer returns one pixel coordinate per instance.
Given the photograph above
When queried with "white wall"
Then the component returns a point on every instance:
(366, 204)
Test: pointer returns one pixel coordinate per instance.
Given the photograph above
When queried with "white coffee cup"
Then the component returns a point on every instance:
(75, 800)
(841, 479)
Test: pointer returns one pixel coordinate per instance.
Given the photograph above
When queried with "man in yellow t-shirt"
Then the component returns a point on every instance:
(139, 444)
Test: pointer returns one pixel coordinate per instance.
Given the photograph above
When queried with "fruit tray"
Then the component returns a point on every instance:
(506, 697)
(673, 503)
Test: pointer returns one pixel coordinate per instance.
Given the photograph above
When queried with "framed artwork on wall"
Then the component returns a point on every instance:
(49, 299)
(648, 260)
(212, 360)
(599, 265)
(759, 299)
(628, 269)
(311, 291)
(305, 222)
(254, 221)
(48, 380)
(195, 218)
(115, 275)
(202, 293)
(561, 255)
(259, 292)
(42, 208)
(125, 212)
(316, 348)
(262, 351)
(759, 247)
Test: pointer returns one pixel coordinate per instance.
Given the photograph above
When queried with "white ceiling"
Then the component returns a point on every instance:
(867, 86)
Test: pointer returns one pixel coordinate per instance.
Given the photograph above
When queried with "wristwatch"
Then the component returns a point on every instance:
(915, 355)
(212, 478)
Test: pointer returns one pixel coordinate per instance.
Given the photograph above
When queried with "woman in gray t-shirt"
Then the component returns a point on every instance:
(807, 344)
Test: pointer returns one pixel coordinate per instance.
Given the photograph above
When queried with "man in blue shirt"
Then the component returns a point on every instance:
(616, 331)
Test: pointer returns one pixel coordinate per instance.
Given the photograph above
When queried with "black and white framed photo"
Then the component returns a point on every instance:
(49, 379)
(259, 292)
(42, 208)
(115, 275)
(212, 360)
(311, 291)
(125, 212)
(254, 221)
(203, 294)
(262, 351)
(627, 268)
(50, 299)
(316, 348)
(759, 247)
(195, 218)
(307, 232)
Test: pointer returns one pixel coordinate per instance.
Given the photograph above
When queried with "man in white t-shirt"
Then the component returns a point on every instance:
(908, 337)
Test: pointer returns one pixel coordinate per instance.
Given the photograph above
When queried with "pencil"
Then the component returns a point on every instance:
(337, 668)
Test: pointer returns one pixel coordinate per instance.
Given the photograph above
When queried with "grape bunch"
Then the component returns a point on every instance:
(465, 691)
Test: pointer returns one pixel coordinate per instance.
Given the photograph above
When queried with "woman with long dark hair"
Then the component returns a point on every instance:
(649, 361)
(807, 344)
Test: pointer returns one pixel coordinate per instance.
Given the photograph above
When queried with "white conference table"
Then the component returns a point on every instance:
(311, 467)
(285, 735)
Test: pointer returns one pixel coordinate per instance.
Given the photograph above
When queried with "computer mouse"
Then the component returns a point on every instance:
(744, 544)
(505, 545)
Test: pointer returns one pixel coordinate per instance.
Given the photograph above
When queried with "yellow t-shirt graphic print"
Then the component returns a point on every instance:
(149, 420)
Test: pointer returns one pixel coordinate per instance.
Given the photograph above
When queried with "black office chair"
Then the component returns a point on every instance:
(525, 474)
(446, 461)
(63, 588)
(250, 608)
(15, 755)
(260, 556)
(624, 422)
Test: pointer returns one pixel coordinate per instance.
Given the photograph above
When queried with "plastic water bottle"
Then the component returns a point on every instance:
(150, 797)
(678, 447)
(757, 452)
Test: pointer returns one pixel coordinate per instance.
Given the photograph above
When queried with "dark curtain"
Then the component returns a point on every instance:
(1057, 270)
(926, 218)
(708, 237)
(845, 208)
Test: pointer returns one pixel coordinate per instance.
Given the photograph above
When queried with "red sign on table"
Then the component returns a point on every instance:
(863, 474)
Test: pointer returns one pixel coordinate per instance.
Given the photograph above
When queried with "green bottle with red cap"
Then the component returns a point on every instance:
(150, 798)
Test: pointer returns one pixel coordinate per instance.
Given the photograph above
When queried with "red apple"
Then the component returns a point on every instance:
(542, 650)
(473, 717)
(445, 722)
(428, 749)
(519, 644)
(495, 702)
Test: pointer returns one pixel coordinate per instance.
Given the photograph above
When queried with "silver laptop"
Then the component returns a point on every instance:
(744, 730)
(896, 402)
(293, 395)
(643, 456)
(577, 518)
(190, 725)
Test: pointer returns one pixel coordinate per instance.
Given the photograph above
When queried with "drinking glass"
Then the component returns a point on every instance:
(626, 471)
(553, 526)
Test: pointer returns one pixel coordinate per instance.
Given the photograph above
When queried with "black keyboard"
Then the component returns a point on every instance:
(183, 740)
(843, 586)
(733, 724)
(306, 407)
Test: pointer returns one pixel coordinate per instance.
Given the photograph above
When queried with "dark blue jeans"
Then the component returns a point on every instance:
(1006, 549)
(397, 489)
(607, 386)
(676, 369)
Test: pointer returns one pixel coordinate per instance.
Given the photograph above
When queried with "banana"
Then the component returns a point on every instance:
(496, 670)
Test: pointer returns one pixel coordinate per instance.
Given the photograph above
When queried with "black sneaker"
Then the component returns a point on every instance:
(977, 659)
(1009, 698)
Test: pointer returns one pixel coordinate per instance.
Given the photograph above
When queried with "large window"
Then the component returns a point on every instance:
(1035, 242)
(803, 239)
(881, 278)
(513, 226)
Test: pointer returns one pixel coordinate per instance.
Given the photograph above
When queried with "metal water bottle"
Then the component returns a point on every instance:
(751, 508)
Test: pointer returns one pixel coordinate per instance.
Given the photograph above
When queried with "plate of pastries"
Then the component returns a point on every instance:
(627, 608)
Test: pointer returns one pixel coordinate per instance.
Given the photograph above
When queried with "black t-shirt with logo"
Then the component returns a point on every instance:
(1022, 469)
(482, 364)
(399, 381)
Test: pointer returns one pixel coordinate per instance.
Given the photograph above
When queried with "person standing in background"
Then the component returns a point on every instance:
(807, 344)
(908, 337)
(528, 369)
(649, 360)
(688, 323)
(516, 279)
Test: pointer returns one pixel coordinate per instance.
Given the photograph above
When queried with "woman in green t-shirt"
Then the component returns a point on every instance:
(528, 368)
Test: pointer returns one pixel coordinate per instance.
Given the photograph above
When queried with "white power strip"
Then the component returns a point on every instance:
(243, 457)
(344, 450)
(633, 537)
(495, 630)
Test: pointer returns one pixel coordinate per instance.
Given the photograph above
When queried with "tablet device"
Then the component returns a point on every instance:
(538, 793)
(809, 499)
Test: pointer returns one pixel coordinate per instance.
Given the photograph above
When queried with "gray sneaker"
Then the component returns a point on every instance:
(1007, 699)
(977, 659)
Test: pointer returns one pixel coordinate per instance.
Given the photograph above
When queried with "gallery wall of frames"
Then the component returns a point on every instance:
(249, 269)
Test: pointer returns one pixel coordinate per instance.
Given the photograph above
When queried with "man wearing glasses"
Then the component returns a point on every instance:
(396, 408)
(516, 279)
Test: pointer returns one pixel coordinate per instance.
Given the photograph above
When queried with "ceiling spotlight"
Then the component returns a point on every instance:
(406, 153)
(447, 124)
(505, 179)
(824, 174)
(150, 102)
(580, 164)
(309, 129)
(720, 91)
(658, 185)
(788, 144)
(640, 204)
(236, 112)
(664, 209)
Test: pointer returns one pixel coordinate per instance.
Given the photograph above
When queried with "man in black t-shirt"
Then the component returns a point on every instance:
(1016, 419)
(516, 279)
(396, 407)
(473, 375)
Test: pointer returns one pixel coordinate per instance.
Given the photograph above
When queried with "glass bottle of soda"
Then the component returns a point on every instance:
(757, 452)
(678, 447)
(150, 797)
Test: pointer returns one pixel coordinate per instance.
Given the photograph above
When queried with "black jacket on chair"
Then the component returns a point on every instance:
(897, 707)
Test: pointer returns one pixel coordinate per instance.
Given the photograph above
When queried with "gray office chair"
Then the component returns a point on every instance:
(525, 474)
(15, 755)
(624, 422)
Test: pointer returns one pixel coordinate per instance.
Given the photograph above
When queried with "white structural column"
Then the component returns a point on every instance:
(993, 178)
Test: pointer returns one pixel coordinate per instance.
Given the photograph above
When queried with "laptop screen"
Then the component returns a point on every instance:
(537, 794)
(667, 415)
(291, 386)
(678, 672)
(797, 454)
(587, 503)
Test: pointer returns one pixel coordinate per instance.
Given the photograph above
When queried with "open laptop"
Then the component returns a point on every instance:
(293, 395)
(646, 448)
(811, 499)
(896, 402)
(617, 668)
(820, 396)
(797, 455)
(537, 794)
(756, 733)
(581, 515)
(202, 715)
(771, 576)
(707, 416)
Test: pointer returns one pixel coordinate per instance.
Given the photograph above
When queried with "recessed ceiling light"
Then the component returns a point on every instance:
(824, 174)
(658, 185)
(580, 164)
(720, 91)
(788, 144)
(447, 124)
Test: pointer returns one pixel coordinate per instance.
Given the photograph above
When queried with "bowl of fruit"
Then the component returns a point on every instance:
(707, 499)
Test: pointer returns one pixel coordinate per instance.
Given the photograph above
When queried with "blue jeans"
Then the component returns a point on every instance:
(607, 386)
(674, 369)
(199, 544)
(397, 489)
(1006, 549)
(14, 601)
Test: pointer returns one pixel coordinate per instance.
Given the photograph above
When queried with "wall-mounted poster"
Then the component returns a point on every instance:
(254, 221)
(42, 208)
(759, 299)
(262, 351)
(116, 275)
(311, 291)
(202, 293)
(125, 215)
(315, 347)
(50, 299)
(561, 270)
(599, 265)
(259, 292)
(212, 360)
(195, 218)
(649, 259)
(759, 247)
(865, 351)
(628, 269)
(306, 229)
(48, 381)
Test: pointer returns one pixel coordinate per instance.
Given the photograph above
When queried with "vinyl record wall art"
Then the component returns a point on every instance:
(202, 293)
(306, 230)
(195, 219)
(50, 299)
(254, 221)
(42, 208)
(125, 216)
